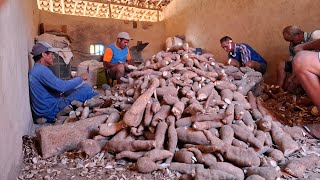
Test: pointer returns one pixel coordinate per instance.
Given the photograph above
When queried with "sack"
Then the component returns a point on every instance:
(91, 67)
(174, 44)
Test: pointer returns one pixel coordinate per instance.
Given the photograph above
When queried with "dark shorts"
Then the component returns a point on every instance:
(288, 67)
(263, 68)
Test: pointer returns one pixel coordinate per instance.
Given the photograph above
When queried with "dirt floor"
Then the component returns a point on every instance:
(293, 110)
(77, 166)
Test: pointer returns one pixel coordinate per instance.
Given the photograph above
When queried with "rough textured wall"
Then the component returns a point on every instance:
(258, 23)
(88, 30)
(16, 32)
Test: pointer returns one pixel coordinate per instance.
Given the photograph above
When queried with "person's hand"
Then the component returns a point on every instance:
(131, 62)
(130, 67)
(84, 76)
(298, 48)
(125, 64)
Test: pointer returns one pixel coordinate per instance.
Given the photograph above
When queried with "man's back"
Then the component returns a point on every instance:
(245, 53)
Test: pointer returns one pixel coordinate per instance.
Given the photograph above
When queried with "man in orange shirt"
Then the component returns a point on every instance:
(117, 56)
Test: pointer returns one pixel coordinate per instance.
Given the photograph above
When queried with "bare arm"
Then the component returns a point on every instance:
(108, 65)
(233, 62)
(313, 45)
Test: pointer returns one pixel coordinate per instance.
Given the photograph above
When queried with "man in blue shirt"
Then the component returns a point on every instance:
(243, 55)
(49, 94)
(117, 56)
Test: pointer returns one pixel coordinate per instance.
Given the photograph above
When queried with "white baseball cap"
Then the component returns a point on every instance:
(124, 35)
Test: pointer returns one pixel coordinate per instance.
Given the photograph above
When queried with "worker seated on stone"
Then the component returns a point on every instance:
(295, 36)
(49, 94)
(117, 56)
(306, 66)
(240, 54)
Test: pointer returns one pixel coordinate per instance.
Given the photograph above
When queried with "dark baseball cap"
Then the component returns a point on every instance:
(41, 47)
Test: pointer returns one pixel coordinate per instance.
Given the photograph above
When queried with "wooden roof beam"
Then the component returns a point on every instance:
(135, 6)
(160, 1)
(85, 7)
(97, 11)
(75, 6)
(62, 4)
(51, 5)
(110, 10)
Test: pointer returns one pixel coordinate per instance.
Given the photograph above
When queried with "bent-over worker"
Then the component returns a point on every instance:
(241, 54)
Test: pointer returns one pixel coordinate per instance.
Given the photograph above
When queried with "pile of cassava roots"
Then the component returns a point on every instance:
(187, 113)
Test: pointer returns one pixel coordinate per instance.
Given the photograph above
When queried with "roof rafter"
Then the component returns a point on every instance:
(141, 10)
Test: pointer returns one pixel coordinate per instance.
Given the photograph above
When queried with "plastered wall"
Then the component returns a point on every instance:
(88, 30)
(17, 27)
(258, 23)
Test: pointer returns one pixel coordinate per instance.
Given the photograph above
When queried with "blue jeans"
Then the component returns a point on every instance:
(81, 93)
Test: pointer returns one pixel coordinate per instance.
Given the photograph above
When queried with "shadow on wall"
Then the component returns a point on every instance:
(30, 61)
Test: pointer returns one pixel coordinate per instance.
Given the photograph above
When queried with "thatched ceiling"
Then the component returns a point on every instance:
(135, 10)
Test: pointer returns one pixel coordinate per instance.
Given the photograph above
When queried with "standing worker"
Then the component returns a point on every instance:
(117, 56)
(243, 55)
(49, 94)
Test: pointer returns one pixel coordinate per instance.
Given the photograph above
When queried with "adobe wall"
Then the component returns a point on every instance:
(89, 30)
(18, 21)
(258, 23)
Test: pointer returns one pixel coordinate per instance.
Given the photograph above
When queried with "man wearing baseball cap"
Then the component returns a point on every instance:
(117, 56)
(49, 94)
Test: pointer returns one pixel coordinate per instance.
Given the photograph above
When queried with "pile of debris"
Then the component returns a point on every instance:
(189, 114)
(77, 165)
(290, 108)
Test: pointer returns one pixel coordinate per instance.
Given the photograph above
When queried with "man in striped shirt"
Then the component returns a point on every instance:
(241, 54)
(117, 56)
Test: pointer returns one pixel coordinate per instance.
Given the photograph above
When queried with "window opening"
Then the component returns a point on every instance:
(96, 49)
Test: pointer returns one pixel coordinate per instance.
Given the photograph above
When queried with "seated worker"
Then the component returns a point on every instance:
(117, 56)
(49, 94)
(295, 36)
(243, 54)
(306, 67)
